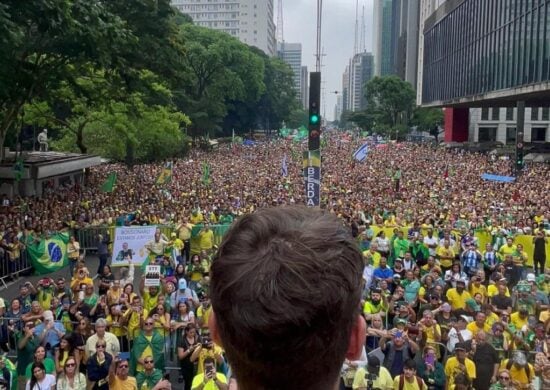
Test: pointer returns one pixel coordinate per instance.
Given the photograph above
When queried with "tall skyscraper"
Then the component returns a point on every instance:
(385, 37)
(345, 89)
(251, 21)
(291, 53)
(361, 70)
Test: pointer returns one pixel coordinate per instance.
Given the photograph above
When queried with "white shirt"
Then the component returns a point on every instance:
(453, 338)
(431, 241)
(46, 384)
(368, 272)
(113, 345)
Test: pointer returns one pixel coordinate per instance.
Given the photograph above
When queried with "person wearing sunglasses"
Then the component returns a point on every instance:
(71, 379)
(150, 375)
(119, 377)
(148, 340)
(98, 366)
(504, 381)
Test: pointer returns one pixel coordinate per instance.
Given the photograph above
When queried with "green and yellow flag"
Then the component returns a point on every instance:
(49, 255)
(109, 184)
(165, 175)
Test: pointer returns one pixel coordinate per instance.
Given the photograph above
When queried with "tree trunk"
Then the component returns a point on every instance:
(7, 121)
(80, 138)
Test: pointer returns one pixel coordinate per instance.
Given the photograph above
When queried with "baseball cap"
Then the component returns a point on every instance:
(531, 278)
(446, 307)
(461, 280)
(460, 346)
(463, 318)
(401, 321)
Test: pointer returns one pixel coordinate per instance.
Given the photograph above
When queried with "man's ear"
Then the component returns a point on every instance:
(356, 338)
(213, 327)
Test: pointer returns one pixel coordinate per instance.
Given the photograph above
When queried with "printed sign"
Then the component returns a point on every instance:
(130, 244)
(152, 275)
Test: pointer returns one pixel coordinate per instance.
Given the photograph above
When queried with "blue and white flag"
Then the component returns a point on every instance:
(284, 167)
(361, 153)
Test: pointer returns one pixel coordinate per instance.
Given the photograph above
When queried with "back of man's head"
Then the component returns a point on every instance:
(286, 286)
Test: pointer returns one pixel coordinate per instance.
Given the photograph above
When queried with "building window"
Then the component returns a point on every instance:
(509, 113)
(545, 113)
(534, 113)
(510, 135)
(485, 114)
(538, 134)
(494, 114)
(487, 134)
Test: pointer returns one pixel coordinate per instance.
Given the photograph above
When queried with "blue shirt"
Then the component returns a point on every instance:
(52, 336)
(383, 273)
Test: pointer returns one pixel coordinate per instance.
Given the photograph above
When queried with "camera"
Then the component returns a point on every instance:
(371, 378)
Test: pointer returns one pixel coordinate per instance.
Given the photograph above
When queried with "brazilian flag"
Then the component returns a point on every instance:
(49, 255)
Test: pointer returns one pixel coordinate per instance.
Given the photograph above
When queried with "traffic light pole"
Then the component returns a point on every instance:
(312, 158)
(519, 161)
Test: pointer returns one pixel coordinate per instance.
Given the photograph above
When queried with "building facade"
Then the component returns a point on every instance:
(490, 124)
(251, 21)
(361, 71)
(291, 53)
(384, 37)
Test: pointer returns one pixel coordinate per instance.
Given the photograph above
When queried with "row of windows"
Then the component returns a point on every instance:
(207, 7)
(489, 134)
(218, 24)
(537, 114)
(487, 45)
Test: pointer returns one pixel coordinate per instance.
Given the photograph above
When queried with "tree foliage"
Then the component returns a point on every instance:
(389, 99)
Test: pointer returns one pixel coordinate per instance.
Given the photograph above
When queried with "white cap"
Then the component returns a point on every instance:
(531, 278)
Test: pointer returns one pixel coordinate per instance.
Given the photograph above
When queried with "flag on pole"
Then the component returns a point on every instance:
(361, 153)
(165, 175)
(205, 173)
(284, 167)
(50, 254)
(109, 184)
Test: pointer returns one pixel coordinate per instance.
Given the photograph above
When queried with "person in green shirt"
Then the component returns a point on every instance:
(39, 356)
(26, 345)
(400, 245)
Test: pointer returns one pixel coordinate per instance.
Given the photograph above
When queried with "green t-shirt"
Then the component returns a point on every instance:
(49, 364)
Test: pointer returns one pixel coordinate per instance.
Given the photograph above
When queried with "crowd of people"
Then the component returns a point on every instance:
(441, 312)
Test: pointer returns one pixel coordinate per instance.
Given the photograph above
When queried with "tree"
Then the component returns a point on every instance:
(428, 119)
(298, 117)
(390, 100)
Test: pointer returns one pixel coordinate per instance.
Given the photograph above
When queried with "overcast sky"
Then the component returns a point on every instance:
(338, 34)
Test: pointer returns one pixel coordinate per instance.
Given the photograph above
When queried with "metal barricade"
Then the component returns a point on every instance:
(88, 237)
(10, 270)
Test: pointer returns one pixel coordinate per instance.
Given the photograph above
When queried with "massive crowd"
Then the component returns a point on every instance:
(437, 305)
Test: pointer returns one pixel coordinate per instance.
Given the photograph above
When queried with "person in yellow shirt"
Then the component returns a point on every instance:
(520, 318)
(372, 256)
(196, 217)
(446, 255)
(135, 317)
(457, 297)
(476, 287)
(184, 234)
(178, 246)
(119, 378)
(521, 372)
(459, 364)
(210, 379)
(478, 324)
(507, 249)
(206, 238)
(409, 380)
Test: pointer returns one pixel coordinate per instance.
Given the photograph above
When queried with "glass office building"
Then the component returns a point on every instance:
(472, 47)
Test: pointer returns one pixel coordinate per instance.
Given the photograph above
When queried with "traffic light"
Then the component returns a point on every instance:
(520, 162)
(314, 137)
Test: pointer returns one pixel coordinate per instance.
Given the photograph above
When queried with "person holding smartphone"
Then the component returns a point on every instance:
(431, 370)
(210, 379)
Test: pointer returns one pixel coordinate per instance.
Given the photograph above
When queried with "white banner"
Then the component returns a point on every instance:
(130, 243)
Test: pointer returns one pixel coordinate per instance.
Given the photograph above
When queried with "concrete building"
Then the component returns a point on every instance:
(406, 57)
(338, 108)
(304, 82)
(490, 124)
(291, 53)
(345, 89)
(251, 21)
(361, 70)
(499, 58)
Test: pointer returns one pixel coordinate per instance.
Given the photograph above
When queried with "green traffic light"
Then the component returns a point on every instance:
(314, 119)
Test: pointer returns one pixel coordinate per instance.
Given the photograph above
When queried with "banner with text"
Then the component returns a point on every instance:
(312, 174)
(130, 243)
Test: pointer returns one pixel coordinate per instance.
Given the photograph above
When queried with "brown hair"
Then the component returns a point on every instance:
(285, 289)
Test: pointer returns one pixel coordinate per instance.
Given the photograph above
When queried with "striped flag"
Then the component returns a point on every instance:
(165, 175)
(284, 167)
(361, 153)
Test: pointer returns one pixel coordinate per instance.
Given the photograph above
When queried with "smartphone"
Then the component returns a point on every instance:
(209, 371)
(399, 334)
(167, 376)
(430, 359)
(81, 295)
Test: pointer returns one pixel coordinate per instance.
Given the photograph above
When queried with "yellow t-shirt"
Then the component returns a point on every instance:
(489, 321)
(446, 256)
(198, 380)
(520, 374)
(544, 315)
(517, 321)
(206, 239)
(492, 290)
(456, 300)
(383, 380)
(116, 330)
(472, 327)
(150, 301)
(117, 384)
(134, 322)
(408, 385)
(195, 219)
(204, 315)
(374, 257)
(475, 289)
(213, 353)
(507, 250)
(452, 368)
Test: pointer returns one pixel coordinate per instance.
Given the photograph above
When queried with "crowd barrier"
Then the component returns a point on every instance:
(12, 269)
